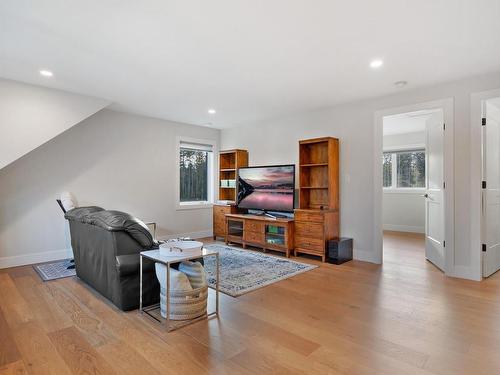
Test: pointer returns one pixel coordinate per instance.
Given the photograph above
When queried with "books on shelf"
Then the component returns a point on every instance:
(228, 183)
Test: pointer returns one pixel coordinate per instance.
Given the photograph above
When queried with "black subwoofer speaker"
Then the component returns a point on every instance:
(339, 251)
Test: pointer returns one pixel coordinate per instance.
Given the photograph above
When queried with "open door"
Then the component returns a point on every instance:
(490, 221)
(435, 190)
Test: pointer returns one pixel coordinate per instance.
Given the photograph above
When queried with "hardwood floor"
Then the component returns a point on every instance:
(404, 317)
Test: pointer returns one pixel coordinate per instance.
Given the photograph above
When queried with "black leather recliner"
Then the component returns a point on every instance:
(106, 247)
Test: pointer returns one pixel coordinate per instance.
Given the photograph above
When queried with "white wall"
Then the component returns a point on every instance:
(112, 159)
(31, 115)
(403, 210)
(275, 141)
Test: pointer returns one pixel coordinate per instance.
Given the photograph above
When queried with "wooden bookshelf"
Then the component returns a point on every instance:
(317, 220)
(319, 173)
(229, 162)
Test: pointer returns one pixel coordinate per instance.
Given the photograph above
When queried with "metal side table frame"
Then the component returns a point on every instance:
(154, 255)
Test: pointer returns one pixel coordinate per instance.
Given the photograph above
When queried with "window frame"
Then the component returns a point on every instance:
(212, 156)
(394, 178)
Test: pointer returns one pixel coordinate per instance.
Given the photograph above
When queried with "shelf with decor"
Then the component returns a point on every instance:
(229, 162)
(275, 235)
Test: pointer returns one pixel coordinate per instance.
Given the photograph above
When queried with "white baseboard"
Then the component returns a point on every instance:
(46, 256)
(464, 272)
(404, 228)
(366, 256)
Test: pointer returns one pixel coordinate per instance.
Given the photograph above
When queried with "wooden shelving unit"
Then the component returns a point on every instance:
(260, 231)
(314, 165)
(229, 162)
(319, 173)
(219, 218)
(317, 219)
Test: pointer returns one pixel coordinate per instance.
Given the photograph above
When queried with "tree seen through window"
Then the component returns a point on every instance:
(404, 169)
(387, 169)
(193, 175)
(411, 169)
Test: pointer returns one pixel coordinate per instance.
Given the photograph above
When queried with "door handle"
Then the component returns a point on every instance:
(425, 195)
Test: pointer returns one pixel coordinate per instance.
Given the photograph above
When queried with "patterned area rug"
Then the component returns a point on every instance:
(55, 270)
(243, 271)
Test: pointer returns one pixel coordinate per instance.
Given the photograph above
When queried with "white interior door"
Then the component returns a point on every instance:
(435, 190)
(491, 192)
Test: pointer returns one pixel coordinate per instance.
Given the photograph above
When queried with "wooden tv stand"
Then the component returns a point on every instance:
(260, 231)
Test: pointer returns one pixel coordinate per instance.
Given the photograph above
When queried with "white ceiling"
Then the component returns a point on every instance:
(410, 122)
(402, 125)
(250, 60)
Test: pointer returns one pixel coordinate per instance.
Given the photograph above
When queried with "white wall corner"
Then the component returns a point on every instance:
(463, 272)
(366, 256)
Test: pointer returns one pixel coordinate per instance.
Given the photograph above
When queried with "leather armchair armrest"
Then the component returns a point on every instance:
(129, 265)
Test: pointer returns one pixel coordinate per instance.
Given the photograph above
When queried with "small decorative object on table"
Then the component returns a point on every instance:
(339, 251)
(175, 247)
(188, 300)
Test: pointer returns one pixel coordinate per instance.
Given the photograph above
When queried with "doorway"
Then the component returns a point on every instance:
(415, 181)
(490, 195)
(413, 191)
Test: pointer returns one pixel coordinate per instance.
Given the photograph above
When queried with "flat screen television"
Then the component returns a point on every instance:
(267, 188)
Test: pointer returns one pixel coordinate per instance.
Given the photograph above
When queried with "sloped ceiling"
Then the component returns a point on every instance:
(32, 115)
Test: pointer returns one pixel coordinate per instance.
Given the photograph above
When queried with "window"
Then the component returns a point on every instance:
(195, 171)
(387, 169)
(404, 169)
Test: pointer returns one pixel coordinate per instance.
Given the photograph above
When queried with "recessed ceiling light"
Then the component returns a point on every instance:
(212, 111)
(400, 84)
(376, 63)
(46, 73)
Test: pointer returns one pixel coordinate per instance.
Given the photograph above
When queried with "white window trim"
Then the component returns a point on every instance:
(211, 175)
(409, 147)
(394, 189)
(388, 190)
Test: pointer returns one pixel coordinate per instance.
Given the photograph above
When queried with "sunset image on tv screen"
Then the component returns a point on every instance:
(266, 188)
